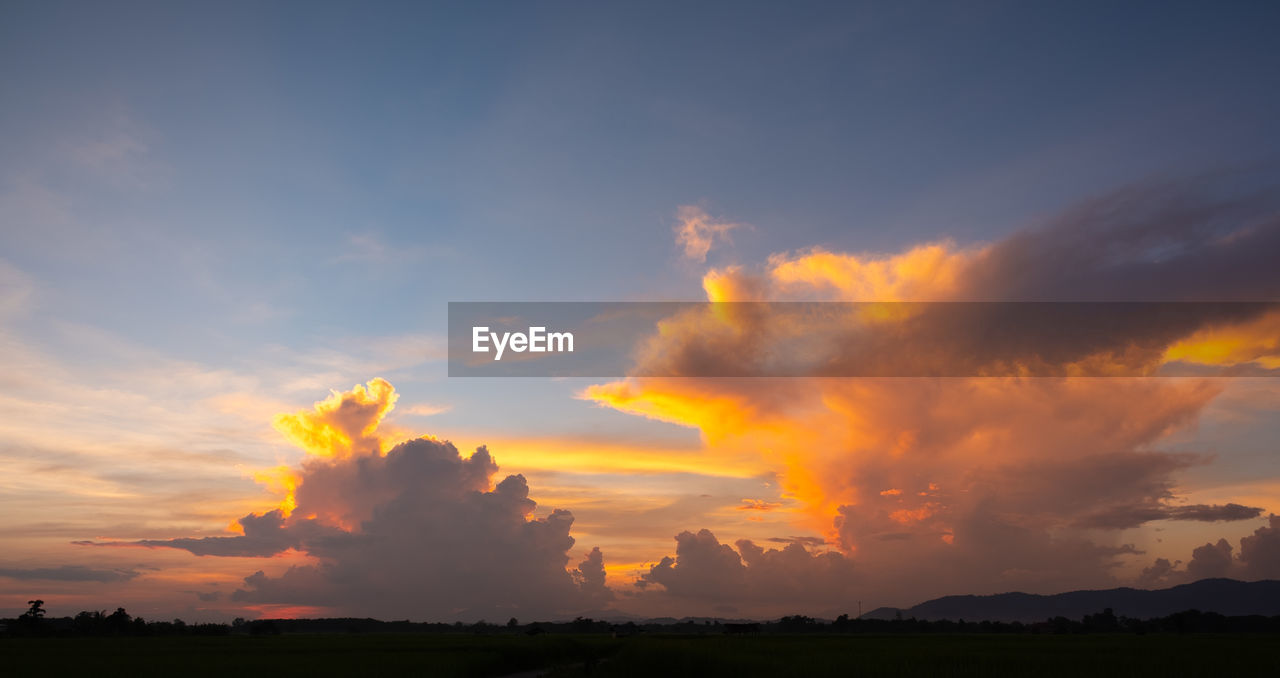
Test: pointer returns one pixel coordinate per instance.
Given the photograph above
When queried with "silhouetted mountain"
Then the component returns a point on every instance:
(1224, 596)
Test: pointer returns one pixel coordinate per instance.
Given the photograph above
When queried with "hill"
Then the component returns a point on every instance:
(1224, 596)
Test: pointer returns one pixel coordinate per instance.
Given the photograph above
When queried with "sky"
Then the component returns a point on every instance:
(229, 233)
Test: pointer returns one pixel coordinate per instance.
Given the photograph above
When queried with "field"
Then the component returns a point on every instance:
(648, 655)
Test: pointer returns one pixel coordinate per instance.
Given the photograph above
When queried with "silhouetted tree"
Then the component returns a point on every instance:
(264, 628)
(796, 623)
(1102, 622)
(36, 611)
(119, 622)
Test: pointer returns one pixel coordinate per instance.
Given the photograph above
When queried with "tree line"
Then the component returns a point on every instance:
(35, 622)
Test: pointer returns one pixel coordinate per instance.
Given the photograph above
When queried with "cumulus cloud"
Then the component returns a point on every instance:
(716, 578)
(696, 231)
(1260, 551)
(69, 573)
(1210, 560)
(418, 531)
(1161, 573)
(1257, 558)
(971, 484)
(590, 577)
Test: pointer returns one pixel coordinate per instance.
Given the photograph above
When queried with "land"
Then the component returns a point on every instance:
(704, 655)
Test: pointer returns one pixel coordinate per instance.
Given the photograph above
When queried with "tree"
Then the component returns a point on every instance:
(36, 611)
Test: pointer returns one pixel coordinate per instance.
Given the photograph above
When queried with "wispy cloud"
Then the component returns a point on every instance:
(425, 409)
(68, 573)
(697, 232)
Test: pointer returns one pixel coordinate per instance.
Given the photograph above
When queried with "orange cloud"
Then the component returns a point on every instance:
(280, 480)
(342, 424)
(1256, 341)
(409, 529)
(991, 479)
(929, 272)
(758, 505)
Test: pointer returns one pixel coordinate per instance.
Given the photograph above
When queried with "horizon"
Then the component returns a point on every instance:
(233, 236)
(614, 617)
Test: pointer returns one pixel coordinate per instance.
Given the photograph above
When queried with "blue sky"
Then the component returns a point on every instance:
(304, 159)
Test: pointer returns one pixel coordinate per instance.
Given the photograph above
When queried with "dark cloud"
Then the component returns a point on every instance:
(1210, 560)
(265, 534)
(1210, 513)
(1121, 517)
(426, 537)
(420, 532)
(1258, 558)
(417, 532)
(1260, 552)
(714, 577)
(1161, 573)
(76, 573)
(1197, 239)
(809, 542)
(590, 577)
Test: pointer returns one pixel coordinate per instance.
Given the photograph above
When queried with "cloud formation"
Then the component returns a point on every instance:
(69, 573)
(417, 531)
(1257, 558)
(717, 579)
(937, 486)
(1210, 560)
(696, 231)
(1121, 517)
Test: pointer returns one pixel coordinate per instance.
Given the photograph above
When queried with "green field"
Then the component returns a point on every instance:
(648, 655)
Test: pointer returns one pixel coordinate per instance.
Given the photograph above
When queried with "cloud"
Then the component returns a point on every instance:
(1210, 560)
(1121, 517)
(590, 577)
(1159, 574)
(264, 535)
(69, 573)
(803, 541)
(937, 486)
(696, 231)
(1258, 558)
(415, 531)
(344, 423)
(717, 578)
(758, 505)
(426, 409)
(1198, 239)
(1176, 242)
(1260, 552)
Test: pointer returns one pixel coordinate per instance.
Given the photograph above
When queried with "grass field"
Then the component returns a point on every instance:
(648, 656)
(945, 655)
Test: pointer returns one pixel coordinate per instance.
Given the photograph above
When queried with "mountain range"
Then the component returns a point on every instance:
(1224, 596)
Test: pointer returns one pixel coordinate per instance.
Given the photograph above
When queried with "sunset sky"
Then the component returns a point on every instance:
(229, 233)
